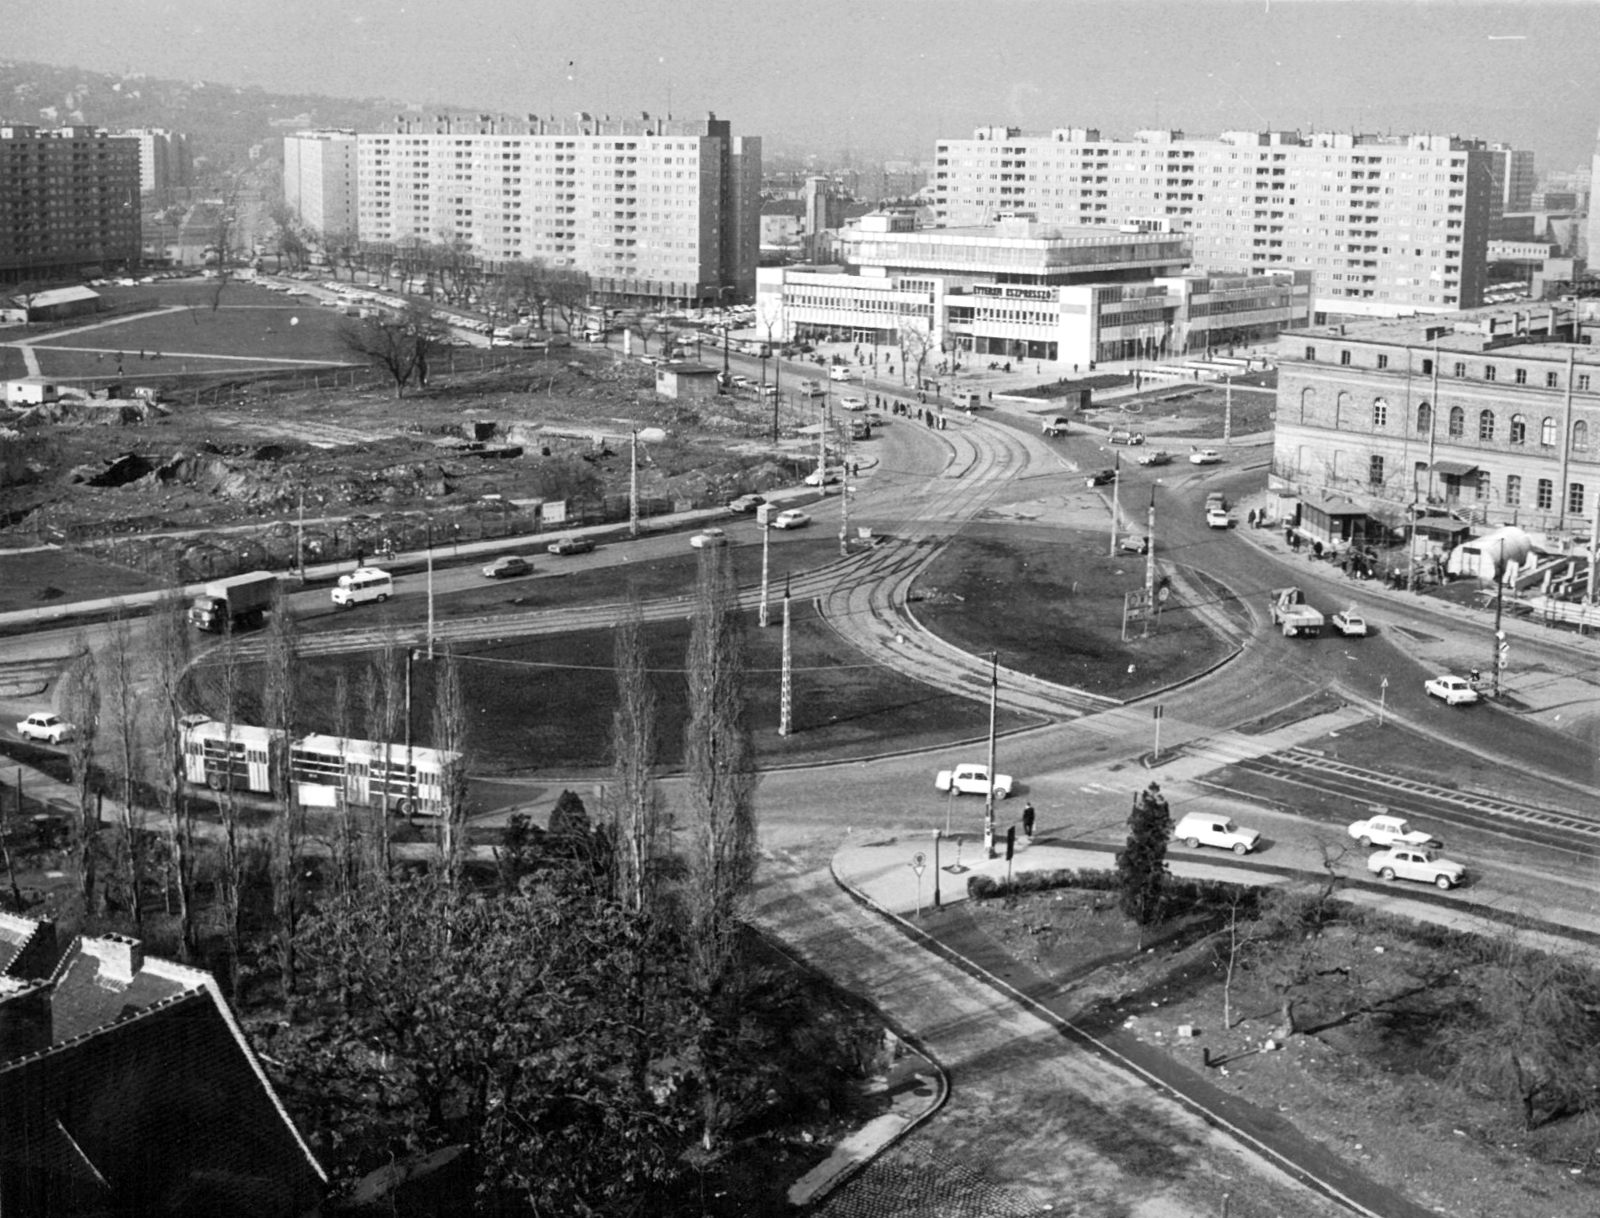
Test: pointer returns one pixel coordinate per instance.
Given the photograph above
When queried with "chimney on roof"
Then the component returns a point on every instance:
(25, 1022)
(120, 957)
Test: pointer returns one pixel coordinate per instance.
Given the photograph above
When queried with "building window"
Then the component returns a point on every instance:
(1311, 354)
(1480, 492)
(1547, 433)
(1424, 419)
(1458, 422)
(1344, 358)
(1427, 367)
(1485, 424)
(1513, 490)
(1575, 498)
(1551, 380)
(1380, 413)
(1519, 429)
(1489, 372)
(1583, 382)
(1580, 434)
(1461, 370)
(1521, 376)
(1375, 470)
(1546, 495)
(1383, 361)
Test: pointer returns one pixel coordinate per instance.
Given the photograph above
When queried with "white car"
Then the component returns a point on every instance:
(1205, 456)
(838, 373)
(972, 780)
(1216, 518)
(42, 725)
(707, 539)
(818, 478)
(1415, 863)
(791, 518)
(1201, 829)
(853, 403)
(1385, 830)
(1456, 691)
(1350, 623)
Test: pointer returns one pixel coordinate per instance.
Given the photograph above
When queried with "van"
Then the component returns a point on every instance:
(363, 584)
(812, 389)
(838, 373)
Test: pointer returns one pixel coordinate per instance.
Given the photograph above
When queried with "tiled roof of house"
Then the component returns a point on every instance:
(27, 947)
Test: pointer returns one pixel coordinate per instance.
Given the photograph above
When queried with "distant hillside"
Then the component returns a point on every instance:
(222, 121)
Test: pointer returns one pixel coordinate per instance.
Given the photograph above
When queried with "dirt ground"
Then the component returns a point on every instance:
(1366, 1087)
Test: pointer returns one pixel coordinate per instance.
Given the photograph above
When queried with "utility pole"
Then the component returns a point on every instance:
(766, 540)
(300, 535)
(1150, 564)
(1227, 408)
(633, 486)
(1116, 498)
(822, 446)
(786, 687)
(430, 588)
(988, 802)
(844, 493)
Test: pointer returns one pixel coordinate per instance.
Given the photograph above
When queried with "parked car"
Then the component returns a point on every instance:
(742, 382)
(1416, 863)
(1216, 518)
(1122, 435)
(793, 518)
(769, 391)
(1350, 622)
(42, 725)
(972, 780)
(507, 567)
(1134, 543)
(655, 361)
(1058, 426)
(1156, 456)
(746, 503)
(1216, 500)
(1381, 829)
(1100, 477)
(853, 403)
(1205, 456)
(1456, 691)
(819, 478)
(571, 545)
(707, 539)
(1203, 829)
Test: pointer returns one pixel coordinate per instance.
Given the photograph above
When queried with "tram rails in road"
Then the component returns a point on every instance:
(1566, 831)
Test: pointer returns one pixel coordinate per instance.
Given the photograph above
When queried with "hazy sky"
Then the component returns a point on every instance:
(883, 78)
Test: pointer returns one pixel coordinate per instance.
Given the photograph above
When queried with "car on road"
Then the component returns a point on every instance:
(1100, 477)
(742, 382)
(1134, 543)
(507, 567)
(1156, 456)
(818, 478)
(1455, 691)
(838, 373)
(1381, 829)
(42, 725)
(1203, 829)
(1416, 863)
(571, 545)
(707, 539)
(655, 361)
(1205, 456)
(1122, 435)
(769, 391)
(746, 503)
(972, 780)
(853, 403)
(793, 518)
(1216, 518)
(1350, 623)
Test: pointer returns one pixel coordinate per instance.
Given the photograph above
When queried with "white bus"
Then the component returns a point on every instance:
(322, 770)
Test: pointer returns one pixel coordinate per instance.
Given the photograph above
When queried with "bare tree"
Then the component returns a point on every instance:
(569, 294)
(635, 801)
(347, 857)
(231, 185)
(450, 737)
(123, 706)
(386, 707)
(722, 843)
(916, 343)
(80, 704)
(167, 640)
(398, 345)
(281, 702)
(232, 878)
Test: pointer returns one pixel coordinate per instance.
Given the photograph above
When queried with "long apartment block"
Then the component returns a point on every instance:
(1389, 225)
(69, 201)
(654, 209)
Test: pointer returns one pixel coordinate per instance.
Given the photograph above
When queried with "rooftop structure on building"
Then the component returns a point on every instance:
(69, 202)
(1492, 415)
(1389, 224)
(654, 210)
(127, 1086)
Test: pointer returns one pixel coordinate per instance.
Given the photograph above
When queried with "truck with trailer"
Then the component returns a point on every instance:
(1291, 613)
(239, 602)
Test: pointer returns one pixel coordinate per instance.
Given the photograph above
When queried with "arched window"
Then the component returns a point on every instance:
(1519, 429)
(1547, 433)
(1458, 422)
(1341, 407)
(1424, 419)
(1485, 424)
(1580, 434)
(1380, 413)
(1308, 403)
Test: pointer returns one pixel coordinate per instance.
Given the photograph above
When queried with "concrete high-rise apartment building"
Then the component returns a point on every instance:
(165, 162)
(653, 209)
(1388, 224)
(1513, 178)
(69, 200)
(319, 179)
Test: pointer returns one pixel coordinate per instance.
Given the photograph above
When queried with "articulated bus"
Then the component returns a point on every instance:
(323, 771)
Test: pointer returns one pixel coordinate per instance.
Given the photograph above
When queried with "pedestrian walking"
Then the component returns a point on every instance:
(1027, 820)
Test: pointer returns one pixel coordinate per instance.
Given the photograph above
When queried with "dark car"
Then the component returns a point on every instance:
(1100, 477)
(746, 503)
(507, 567)
(570, 545)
